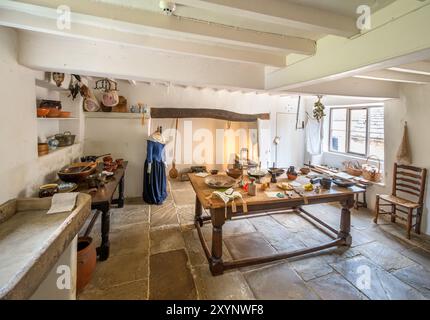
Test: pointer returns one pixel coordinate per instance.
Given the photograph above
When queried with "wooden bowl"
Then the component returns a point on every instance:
(305, 170)
(65, 114)
(234, 173)
(42, 112)
(77, 172)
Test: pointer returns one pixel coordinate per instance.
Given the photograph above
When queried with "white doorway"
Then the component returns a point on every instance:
(290, 150)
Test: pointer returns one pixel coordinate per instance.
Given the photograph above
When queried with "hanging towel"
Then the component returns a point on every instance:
(313, 136)
(404, 155)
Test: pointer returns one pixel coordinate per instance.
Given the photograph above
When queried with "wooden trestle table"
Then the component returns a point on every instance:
(261, 203)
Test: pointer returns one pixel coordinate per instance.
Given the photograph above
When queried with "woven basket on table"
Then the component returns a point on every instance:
(353, 168)
(371, 172)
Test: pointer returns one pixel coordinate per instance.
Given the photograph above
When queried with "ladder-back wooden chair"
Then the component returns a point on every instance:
(407, 196)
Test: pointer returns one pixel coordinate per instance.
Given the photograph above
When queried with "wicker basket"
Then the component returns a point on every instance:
(371, 172)
(353, 168)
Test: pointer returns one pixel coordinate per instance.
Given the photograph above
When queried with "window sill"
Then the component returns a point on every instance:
(350, 156)
(343, 156)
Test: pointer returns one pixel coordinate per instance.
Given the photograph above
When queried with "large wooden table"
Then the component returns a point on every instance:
(101, 201)
(261, 203)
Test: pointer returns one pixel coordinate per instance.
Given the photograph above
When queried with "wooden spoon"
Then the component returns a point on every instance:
(173, 172)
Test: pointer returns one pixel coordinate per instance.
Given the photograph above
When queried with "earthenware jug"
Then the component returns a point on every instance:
(291, 173)
(86, 260)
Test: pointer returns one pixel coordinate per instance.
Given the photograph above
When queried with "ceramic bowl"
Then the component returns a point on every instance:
(53, 113)
(65, 114)
(48, 190)
(107, 159)
(67, 187)
(42, 112)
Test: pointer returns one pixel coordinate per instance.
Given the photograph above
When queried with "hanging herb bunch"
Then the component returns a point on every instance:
(318, 111)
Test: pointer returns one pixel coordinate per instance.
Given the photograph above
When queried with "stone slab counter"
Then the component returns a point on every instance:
(32, 241)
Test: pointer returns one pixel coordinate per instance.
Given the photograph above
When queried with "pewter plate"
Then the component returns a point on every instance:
(220, 181)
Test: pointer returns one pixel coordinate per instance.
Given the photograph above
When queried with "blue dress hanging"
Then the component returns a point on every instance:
(154, 177)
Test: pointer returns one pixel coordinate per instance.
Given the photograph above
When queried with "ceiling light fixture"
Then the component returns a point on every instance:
(167, 7)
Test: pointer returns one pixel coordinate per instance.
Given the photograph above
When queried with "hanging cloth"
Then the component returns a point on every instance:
(404, 155)
(313, 136)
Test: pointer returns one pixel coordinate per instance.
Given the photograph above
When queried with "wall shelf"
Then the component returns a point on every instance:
(59, 149)
(113, 115)
(70, 118)
(50, 86)
(47, 127)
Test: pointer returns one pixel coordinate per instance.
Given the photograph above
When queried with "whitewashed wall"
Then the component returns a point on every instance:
(21, 170)
(413, 106)
(126, 138)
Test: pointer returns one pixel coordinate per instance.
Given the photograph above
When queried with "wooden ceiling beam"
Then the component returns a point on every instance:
(283, 13)
(395, 76)
(394, 43)
(420, 67)
(131, 20)
(46, 24)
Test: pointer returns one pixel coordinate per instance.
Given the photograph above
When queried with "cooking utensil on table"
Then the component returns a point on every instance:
(173, 172)
(93, 158)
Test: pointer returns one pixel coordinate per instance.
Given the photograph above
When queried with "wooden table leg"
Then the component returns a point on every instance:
(364, 200)
(121, 193)
(345, 221)
(216, 264)
(103, 250)
(198, 212)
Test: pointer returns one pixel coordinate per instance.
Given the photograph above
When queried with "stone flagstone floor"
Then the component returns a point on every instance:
(156, 254)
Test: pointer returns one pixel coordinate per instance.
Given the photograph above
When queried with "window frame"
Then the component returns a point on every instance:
(348, 130)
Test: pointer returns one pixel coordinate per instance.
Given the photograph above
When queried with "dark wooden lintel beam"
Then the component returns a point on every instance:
(206, 113)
